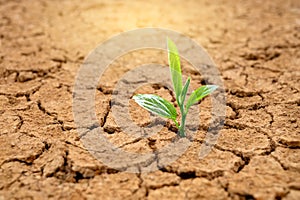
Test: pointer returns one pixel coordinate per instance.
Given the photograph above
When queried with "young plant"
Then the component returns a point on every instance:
(164, 108)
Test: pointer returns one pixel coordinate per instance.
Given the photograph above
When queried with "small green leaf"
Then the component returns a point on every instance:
(156, 105)
(199, 94)
(175, 69)
(184, 90)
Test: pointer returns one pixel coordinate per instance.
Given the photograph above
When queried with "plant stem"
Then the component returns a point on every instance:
(182, 123)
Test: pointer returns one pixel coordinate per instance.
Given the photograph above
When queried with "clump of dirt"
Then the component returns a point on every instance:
(256, 47)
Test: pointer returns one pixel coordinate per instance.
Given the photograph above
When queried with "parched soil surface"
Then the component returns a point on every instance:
(256, 46)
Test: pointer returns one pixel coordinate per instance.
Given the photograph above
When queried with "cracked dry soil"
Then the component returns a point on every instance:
(256, 46)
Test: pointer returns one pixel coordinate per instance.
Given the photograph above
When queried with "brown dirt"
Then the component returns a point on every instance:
(256, 45)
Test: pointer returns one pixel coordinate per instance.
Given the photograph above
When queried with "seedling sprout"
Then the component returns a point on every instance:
(161, 107)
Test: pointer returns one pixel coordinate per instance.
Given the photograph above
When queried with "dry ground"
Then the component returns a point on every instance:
(256, 46)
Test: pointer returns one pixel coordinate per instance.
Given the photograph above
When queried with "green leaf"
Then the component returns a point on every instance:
(199, 94)
(175, 69)
(156, 105)
(184, 90)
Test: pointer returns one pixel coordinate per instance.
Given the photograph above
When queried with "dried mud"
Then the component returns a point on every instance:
(256, 46)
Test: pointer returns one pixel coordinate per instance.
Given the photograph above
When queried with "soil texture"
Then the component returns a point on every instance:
(256, 46)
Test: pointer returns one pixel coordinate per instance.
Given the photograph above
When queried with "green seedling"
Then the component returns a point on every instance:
(166, 109)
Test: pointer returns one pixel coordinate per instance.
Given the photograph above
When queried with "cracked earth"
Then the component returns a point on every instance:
(256, 46)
